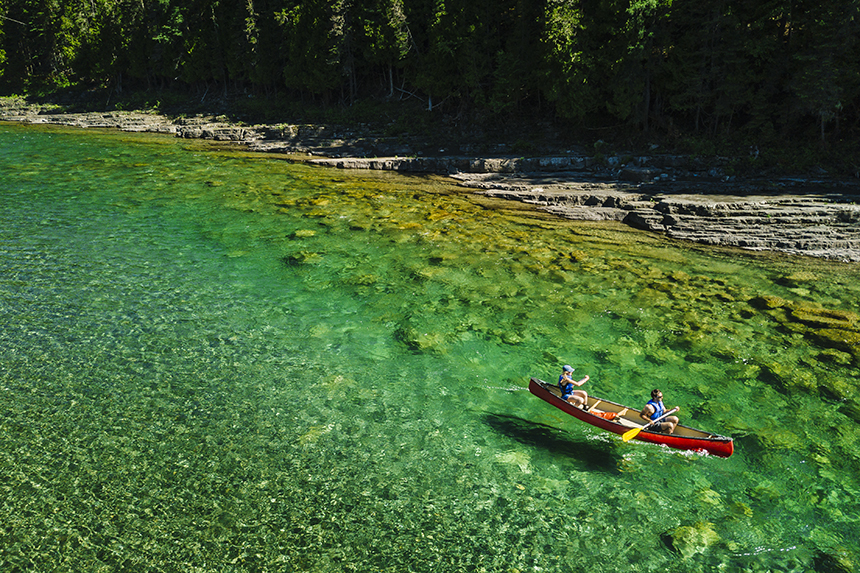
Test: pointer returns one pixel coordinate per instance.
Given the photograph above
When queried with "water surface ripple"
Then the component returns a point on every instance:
(213, 361)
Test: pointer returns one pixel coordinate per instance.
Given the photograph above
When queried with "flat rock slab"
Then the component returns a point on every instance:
(820, 220)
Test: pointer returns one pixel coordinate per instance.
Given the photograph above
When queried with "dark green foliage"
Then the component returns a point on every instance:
(749, 72)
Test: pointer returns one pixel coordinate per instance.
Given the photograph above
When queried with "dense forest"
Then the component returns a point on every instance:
(751, 70)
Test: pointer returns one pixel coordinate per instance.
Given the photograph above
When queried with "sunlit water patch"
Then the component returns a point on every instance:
(216, 361)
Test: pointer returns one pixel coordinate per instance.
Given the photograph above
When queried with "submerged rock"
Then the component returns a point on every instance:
(798, 278)
(768, 302)
(691, 540)
(834, 329)
(825, 318)
(835, 356)
(845, 340)
(301, 258)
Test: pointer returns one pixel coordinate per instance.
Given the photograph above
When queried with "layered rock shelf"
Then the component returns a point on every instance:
(674, 195)
(819, 219)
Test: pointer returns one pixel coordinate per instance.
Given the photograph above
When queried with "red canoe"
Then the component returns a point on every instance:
(618, 419)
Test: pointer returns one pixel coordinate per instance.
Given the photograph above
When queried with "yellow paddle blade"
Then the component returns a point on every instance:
(630, 434)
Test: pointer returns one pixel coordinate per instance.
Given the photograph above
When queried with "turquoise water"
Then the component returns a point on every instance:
(213, 361)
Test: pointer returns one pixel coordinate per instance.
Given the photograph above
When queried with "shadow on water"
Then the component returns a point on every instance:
(593, 456)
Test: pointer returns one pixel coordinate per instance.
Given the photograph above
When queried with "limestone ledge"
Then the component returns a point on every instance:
(818, 219)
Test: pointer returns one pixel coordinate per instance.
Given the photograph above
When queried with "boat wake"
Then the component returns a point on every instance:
(761, 550)
(507, 389)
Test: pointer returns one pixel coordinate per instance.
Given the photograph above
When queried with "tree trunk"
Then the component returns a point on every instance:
(647, 101)
(821, 115)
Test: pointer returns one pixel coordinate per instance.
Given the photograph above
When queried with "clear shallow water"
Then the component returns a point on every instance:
(220, 362)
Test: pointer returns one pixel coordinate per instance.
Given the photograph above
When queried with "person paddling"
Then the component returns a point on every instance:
(654, 409)
(566, 383)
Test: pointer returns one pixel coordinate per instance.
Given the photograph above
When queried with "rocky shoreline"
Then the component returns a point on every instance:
(674, 195)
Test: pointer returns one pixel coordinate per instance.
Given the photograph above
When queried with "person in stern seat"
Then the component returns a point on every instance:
(566, 383)
(654, 409)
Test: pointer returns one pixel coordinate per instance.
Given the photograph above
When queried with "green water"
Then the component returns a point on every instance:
(213, 361)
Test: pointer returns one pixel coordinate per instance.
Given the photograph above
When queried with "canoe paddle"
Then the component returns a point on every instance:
(630, 434)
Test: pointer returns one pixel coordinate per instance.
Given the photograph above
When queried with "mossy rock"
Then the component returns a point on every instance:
(749, 372)
(661, 286)
(766, 491)
(578, 256)
(768, 302)
(789, 380)
(693, 340)
(778, 437)
(418, 339)
(798, 278)
(838, 388)
(797, 327)
(679, 277)
(840, 563)
(824, 318)
(835, 357)
(509, 337)
(690, 540)
(804, 379)
(324, 217)
(851, 408)
(362, 280)
(778, 369)
(778, 375)
(840, 339)
(302, 258)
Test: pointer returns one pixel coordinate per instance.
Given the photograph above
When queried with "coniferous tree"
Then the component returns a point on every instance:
(717, 68)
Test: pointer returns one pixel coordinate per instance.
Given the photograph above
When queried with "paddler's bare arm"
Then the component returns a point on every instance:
(646, 412)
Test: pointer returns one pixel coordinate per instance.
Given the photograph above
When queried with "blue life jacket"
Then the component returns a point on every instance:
(566, 388)
(659, 409)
